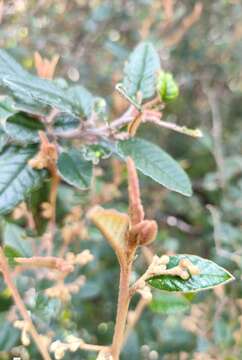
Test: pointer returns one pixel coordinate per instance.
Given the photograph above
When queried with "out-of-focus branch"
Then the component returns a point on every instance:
(216, 132)
(185, 25)
(4, 268)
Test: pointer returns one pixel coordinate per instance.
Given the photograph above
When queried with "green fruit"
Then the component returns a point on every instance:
(167, 87)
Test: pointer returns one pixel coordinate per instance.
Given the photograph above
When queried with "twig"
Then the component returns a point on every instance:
(50, 262)
(216, 133)
(21, 307)
(136, 314)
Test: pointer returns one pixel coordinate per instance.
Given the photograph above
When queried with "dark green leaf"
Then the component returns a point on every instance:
(17, 178)
(157, 164)
(169, 304)
(65, 122)
(141, 71)
(210, 276)
(5, 300)
(82, 100)
(74, 169)
(33, 90)
(23, 128)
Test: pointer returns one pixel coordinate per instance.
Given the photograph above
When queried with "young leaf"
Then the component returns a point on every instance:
(169, 304)
(141, 71)
(23, 128)
(157, 164)
(74, 169)
(112, 224)
(210, 275)
(17, 178)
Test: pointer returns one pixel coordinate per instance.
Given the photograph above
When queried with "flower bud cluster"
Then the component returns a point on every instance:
(59, 348)
(63, 290)
(24, 327)
(184, 269)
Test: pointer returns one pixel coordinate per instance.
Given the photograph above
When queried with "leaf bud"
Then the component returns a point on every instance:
(167, 87)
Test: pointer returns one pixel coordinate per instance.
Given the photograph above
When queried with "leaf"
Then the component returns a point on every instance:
(33, 90)
(8, 334)
(65, 122)
(3, 139)
(83, 100)
(141, 71)
(46, 308)
(23, 128)
(210, 276)
(11, 254)
(157, 164)
(169, 304)
(112, 224)
(6, 108)
(17, 178)
(74, 169)
(15, 241)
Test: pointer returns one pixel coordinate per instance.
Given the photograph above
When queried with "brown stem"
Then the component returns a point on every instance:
(91, 347)
(21, 307)
(135, 317)
(122, 311)
(53, 196)
(50, 262)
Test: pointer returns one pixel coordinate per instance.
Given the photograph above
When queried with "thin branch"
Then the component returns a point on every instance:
(21, 307)
(135, 316)
(216, 133)
(50, 262)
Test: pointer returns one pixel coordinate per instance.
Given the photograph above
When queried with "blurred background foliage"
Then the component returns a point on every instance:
(201, 44)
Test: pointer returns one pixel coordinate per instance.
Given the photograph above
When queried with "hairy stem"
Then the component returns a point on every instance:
(53, 196)
(21, 307)
(122, 311)
(135, 316)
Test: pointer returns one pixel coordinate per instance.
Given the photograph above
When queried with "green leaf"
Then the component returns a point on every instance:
(23, 128)
(141, 71)
(74, 169)
(33, 90)
(65, 122)
(8, 334)
(83, 100)
(15, 241)
(46, 308)
(11, 254)
(157, 164)
(169, 304)
(210, 276)
(6, 108)
(17, 178)
(3, 139)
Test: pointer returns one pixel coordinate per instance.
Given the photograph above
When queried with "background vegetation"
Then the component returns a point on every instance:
(201, 44)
